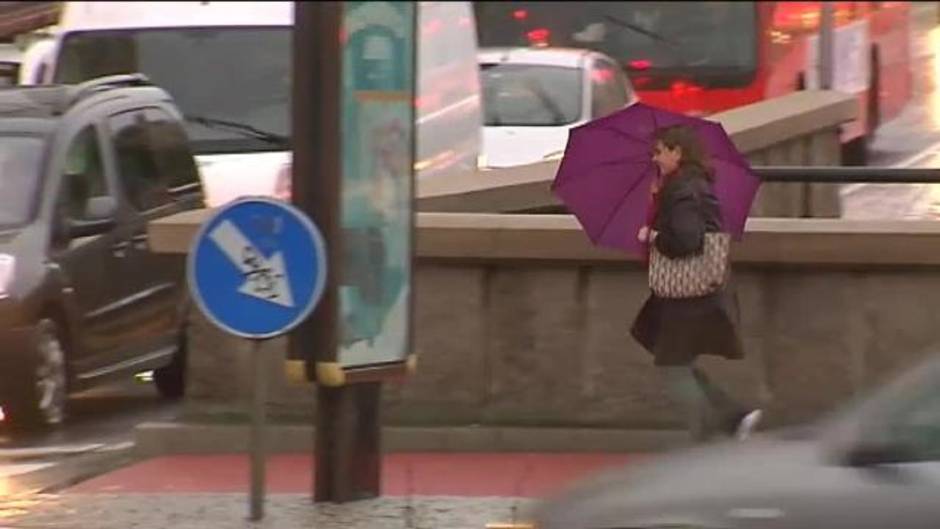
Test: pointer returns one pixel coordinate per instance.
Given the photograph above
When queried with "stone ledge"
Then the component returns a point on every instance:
(770, 241)
(163, 438)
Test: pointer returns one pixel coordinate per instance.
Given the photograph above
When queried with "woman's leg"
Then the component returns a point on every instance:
(723, 403)
(726, 413)
(684, 389)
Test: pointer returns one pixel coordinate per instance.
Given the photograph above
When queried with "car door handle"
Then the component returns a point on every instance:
(141, 241)
(119, 249)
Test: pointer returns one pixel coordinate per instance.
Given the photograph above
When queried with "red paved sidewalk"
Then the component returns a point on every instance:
(433, 474)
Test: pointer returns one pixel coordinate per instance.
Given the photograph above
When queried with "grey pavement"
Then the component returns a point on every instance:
(287, 511)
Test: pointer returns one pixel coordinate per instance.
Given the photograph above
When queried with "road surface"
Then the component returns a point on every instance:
(910, 140)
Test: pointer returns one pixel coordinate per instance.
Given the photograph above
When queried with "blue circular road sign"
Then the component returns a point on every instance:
(257, 268)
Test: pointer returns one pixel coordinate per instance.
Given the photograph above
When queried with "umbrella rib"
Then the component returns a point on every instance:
(625, 135)
(605, 164)
(623, 197)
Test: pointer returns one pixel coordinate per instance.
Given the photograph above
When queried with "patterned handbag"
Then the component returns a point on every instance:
(692, 276)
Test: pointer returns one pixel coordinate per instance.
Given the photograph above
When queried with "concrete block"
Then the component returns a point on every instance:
(534, 345)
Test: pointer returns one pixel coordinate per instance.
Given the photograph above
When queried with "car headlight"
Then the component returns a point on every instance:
(482, 163)
(7, 268)
(282, 184)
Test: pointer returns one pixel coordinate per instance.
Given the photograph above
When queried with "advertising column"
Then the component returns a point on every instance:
(378, 157)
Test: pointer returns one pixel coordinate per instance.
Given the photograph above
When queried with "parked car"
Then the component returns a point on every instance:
(873, 465)
(83, 299)
(532, 97)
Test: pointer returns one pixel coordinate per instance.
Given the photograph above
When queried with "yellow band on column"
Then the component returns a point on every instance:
(296, 372)
(330, 374)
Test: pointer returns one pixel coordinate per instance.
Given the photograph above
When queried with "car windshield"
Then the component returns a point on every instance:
(530, 95)
(239, 76)
(20, 170)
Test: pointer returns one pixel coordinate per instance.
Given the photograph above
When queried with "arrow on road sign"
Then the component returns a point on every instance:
(265, 278)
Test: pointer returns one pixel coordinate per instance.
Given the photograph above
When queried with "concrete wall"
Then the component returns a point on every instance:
(522, 322)
(798, 129)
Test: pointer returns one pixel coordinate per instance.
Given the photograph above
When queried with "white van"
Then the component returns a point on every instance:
(227, 66)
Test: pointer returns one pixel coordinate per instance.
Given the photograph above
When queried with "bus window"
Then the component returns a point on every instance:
(714, 42)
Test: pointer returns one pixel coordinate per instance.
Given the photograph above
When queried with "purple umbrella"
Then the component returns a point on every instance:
(606, 173)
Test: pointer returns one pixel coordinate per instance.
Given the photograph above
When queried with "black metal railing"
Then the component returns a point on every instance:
(848, 175)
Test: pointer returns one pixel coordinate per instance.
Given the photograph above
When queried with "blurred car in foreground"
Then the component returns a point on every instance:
(875, 465)
(533, 96)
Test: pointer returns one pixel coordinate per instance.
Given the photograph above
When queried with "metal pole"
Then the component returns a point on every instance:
(826, 45)
(845, 175)
(316, 190)
(257, 446)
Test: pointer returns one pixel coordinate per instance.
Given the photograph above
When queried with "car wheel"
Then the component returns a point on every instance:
(46, 398)
(171, 378)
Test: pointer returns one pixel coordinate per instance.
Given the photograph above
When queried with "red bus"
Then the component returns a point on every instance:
(706, 57)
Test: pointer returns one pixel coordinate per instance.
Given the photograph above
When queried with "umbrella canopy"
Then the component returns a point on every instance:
(606, 173)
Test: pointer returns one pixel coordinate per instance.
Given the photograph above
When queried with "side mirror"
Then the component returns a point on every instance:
(99, 218)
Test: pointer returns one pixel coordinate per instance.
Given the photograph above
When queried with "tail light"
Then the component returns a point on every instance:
(603, 76)
(539, 37)
(640, 64)
(683, 88)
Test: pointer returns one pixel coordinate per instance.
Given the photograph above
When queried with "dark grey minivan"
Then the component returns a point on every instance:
(83, 299)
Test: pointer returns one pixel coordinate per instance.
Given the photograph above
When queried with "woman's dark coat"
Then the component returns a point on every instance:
(675, 331)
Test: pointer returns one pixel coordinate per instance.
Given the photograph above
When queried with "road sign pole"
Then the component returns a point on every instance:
(257, 269)
(258, 420)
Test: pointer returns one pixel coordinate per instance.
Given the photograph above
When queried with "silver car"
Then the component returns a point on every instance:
(874, 465)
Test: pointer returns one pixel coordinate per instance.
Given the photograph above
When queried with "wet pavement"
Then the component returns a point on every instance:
(910, 140)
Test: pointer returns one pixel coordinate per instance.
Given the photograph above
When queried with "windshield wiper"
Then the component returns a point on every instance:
(245, 129)
(672, 45)
(642, 31)
(547, 101)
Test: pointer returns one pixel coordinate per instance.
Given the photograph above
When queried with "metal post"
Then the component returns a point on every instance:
(316, 191)
(257, 432)
(826, 45)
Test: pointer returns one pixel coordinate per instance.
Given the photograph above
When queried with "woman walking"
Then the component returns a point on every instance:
(678, 330)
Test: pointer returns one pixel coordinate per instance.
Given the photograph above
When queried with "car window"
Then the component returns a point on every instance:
(910, 418)
(84, 176)
(9, 73)
(170, 146)
(525, 95)
(917, 429)
(20, 177)
(607, 90)
(139, 170)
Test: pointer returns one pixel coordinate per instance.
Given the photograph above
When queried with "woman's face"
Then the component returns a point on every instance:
(667, 159)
